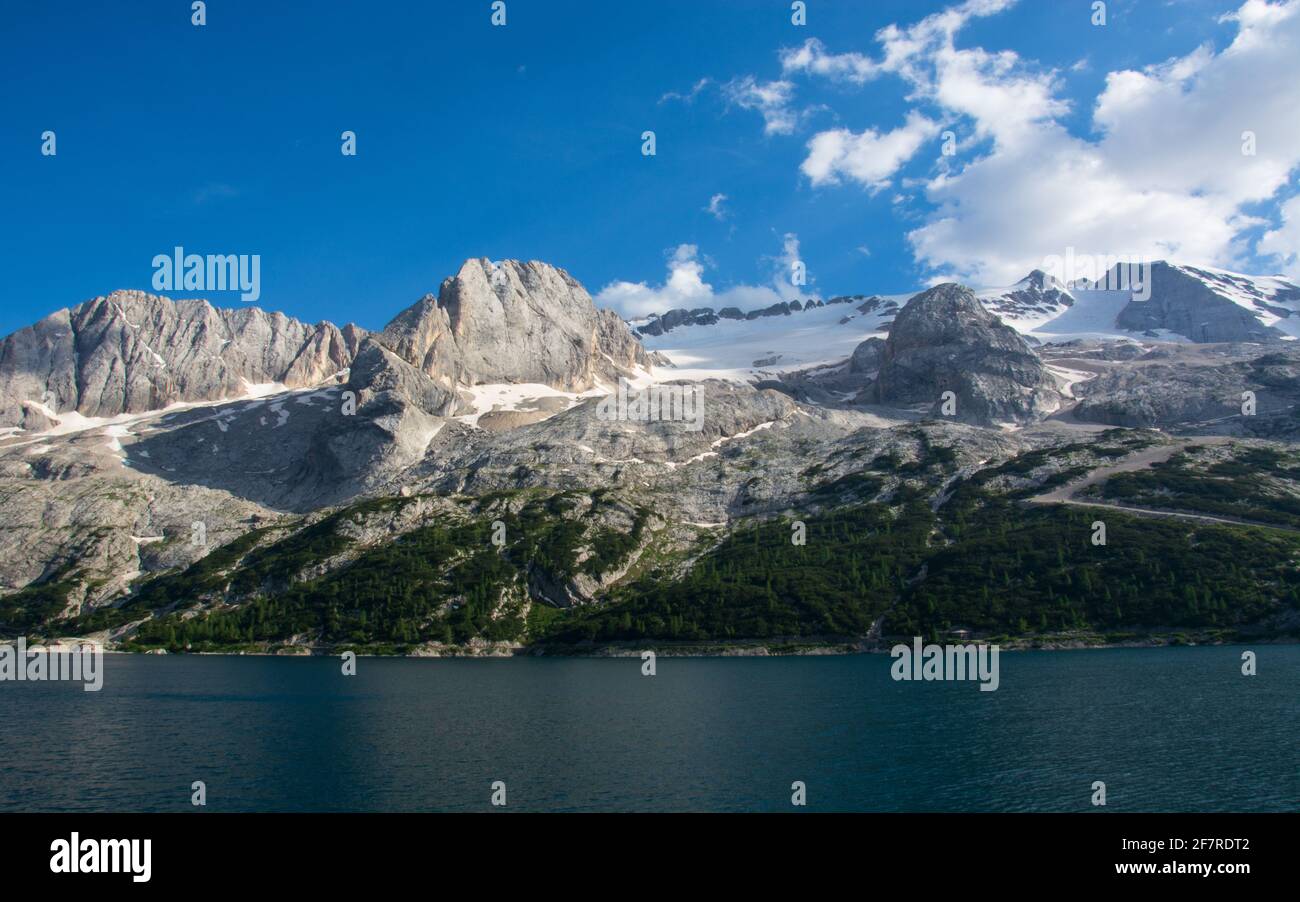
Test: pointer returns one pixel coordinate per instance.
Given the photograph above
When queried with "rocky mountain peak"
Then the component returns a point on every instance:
(514, 322)
(1041, 281)
(944, 314)
(945, 340)
(1036, 297)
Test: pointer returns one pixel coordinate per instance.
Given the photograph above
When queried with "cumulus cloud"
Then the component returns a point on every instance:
(790, 279)
(868, 157)
(989, 88)
(814, 59)
(902, 47)
(1282, 244)
(772, 99)
(684, 285)
(1166, 178)
(1162, 174)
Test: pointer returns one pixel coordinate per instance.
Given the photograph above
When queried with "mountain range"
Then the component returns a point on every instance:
(178, 476)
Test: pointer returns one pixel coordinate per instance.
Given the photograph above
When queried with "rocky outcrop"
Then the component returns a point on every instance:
(514, 322)
(876, 304)
(867, 356)
(1186, 386)
(131, 352)
(701, 316)
(945, 340)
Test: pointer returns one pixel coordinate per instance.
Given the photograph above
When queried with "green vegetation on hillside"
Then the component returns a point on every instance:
(1018, 569)
(981, 560)
(445, 583)
(34, 605)
(757, 583)
(1256, 484)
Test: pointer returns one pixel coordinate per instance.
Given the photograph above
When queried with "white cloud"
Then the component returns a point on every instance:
(813, 59)
(684, 286)
(689, 96)
(1283, 243)
(1162, 175)
(870, 157)
(771, 99)
(785, 267)
(904, 47)
(1166, 178)
(1006, 102)
(1004, 214)
(716, 207)
(989, 88)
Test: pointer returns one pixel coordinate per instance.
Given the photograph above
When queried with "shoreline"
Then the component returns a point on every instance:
(775, 649)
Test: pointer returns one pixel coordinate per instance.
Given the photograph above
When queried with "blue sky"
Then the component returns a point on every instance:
(524, 141)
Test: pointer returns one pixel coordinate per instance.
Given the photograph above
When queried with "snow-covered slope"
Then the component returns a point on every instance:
(1092, 315)
(745, 350)
(1209, 305)
(1036, 299)
(1186, 303)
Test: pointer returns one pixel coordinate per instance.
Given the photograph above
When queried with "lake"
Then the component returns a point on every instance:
(1167, 729)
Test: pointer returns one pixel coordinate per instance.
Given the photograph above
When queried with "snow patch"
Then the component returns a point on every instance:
(261, 389)
(115, 434)
(514, 396)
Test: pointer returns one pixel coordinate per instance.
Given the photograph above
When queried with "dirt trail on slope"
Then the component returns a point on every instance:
(1138, 461)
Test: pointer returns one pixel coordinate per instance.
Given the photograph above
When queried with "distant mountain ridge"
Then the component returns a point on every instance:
(1197, 304)
(131, 352)
(659, 323)
(529, 322)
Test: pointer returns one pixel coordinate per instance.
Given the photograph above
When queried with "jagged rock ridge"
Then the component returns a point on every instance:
(131, 352)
